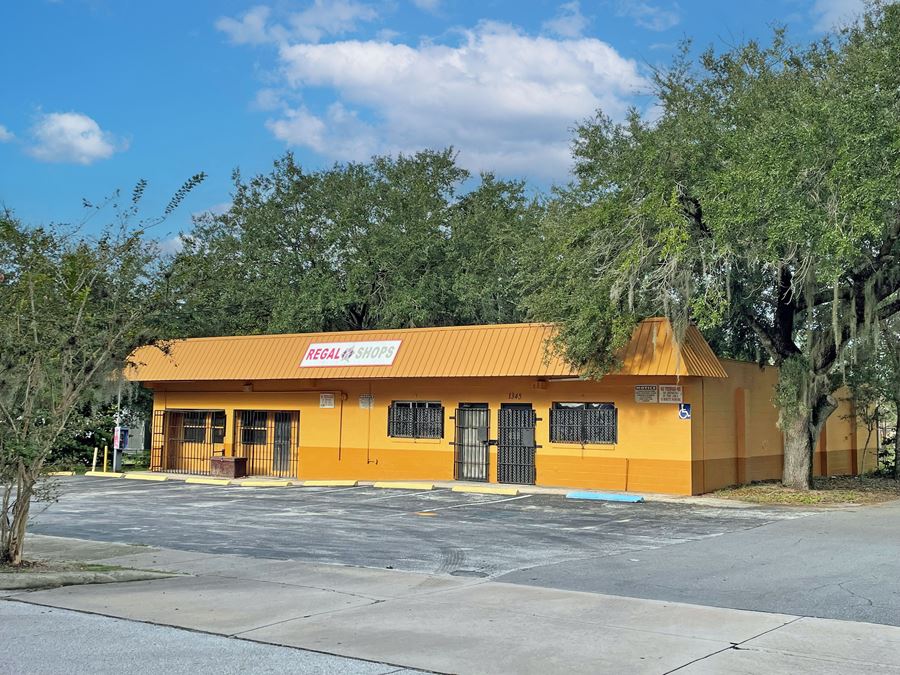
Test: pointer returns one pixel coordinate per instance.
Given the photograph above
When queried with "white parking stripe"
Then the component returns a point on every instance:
(405, 494)
(459, 506)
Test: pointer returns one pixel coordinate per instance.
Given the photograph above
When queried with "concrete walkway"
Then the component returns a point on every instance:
(457, 624)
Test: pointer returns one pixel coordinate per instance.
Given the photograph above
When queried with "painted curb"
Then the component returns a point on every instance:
(265, 483)
(208, 481)
(156, 477)
(404, 486)
(512, 492)
(329, 483)
(605, 497)
(61, 473)
(104, 474)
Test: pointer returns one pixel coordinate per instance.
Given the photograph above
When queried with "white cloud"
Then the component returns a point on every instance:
(72, 137)
(5, 134)
(831, 14)
(649, 16)
(320, 19)
(171, 246)
(427, 5)
(569, 21)
(339, 133)
(506, 100)
(249, 29)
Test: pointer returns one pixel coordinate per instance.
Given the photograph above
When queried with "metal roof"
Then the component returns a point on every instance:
(504, 350)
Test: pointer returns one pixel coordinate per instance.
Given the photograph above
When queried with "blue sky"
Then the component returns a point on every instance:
(99, 93)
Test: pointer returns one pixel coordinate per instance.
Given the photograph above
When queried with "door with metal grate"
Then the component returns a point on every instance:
(186, 440)
(516, 446)
(471, 442)
(269, 439)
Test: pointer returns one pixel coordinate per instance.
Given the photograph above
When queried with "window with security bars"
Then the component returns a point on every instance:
(194, 426)
(585, 423)
(218, 426)
(254, 427)
(416, 419)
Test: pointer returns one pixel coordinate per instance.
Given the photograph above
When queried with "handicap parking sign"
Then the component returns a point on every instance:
(684, 411)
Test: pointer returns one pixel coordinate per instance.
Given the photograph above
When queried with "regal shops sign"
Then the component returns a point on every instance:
(372, 353)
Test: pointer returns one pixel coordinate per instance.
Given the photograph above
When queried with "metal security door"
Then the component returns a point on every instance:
(515, 444)
(471, 442)
(281, 442)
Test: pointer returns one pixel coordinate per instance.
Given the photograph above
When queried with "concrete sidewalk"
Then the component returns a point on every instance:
(459, 625)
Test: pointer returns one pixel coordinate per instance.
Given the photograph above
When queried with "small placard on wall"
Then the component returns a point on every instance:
(326, 400)
(366, 401)
(646, 393)
(671, 393)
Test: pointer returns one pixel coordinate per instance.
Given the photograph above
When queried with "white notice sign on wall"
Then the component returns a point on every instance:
(326, 400)
(646, 393)
(671, 393)
(366, 401)
(372, 353)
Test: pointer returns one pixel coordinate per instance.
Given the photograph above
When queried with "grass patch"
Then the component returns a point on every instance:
(828, 491)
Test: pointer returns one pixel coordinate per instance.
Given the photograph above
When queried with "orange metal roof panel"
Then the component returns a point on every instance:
(461, 351)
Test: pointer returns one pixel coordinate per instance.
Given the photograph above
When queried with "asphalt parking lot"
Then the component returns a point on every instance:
(833, 564)
(436, 531)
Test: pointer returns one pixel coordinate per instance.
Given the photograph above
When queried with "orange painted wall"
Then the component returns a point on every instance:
(653, 453)
(741, 439)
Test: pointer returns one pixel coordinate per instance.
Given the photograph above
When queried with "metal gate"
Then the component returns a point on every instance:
(270, 441)
(471, 442)
(184, 441)
(515, 444)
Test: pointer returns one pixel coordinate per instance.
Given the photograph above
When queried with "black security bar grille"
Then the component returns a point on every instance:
(270, 440)
(471, 444)
(516, 447)
(416, 419)
(585, 423)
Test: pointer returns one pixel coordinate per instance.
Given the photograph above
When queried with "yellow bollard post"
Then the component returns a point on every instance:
(105, 455)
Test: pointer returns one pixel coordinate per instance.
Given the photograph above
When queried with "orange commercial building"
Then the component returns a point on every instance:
(473, 403)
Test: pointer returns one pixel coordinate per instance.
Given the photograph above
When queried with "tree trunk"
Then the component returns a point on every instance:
(799, 445)
(12, 545)
(802, 426)
(17, 530)
(897, 438)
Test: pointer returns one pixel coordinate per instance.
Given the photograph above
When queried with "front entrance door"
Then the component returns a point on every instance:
(281, 444)
(516, 446)
(471, 442)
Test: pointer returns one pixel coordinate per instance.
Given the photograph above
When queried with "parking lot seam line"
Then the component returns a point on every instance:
(392, 485)
(158, 477)
(61, 473)
(104, 474)
(208, 481)
(485, 490)
(329, 483)
(459, 506)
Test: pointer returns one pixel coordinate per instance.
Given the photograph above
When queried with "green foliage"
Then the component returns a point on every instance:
(762, 204)
(388, 243)
(72, 310)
